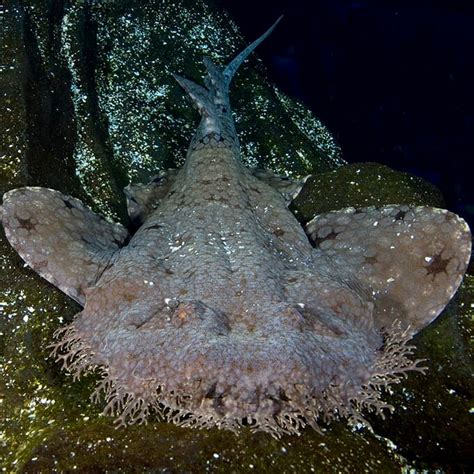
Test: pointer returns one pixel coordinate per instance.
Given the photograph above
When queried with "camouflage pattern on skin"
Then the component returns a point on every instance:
(219, 310)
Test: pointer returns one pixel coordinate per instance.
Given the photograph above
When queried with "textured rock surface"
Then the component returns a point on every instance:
(362, 185)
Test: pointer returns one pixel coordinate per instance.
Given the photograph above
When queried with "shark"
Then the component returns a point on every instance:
(220, 308)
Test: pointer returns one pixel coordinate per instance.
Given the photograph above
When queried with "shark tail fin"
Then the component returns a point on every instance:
(212, 100)
(232, 67)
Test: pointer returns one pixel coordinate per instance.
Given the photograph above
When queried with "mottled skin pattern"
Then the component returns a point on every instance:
(221, 309)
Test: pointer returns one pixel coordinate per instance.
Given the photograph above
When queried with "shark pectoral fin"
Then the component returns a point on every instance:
(412, 259)
(289, 188)
(59, 238)
(142, 199)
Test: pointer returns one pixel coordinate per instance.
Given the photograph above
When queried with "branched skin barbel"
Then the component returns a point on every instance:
(221, 310)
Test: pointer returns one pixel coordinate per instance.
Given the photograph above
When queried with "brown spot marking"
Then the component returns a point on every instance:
(438, 265)
(40, 265)
(26, 224)
(129, 297)
(336, 306)
(255, 189)
(133, 357)
(249, 325)
(168, 271)
(279, 232)
(183, 291)
(225, 179)
(182, 314)
(292, 314)
(206, 181)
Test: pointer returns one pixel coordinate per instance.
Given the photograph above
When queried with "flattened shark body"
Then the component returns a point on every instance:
(221, 309)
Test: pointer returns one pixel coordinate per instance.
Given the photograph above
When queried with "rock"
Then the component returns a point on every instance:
(361, 185)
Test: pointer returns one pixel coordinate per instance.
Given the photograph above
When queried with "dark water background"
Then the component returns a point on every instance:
(393, 80)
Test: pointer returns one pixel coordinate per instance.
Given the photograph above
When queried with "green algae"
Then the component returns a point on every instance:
(97, 447)
(12, 119)
(433, 424)
(95, 101)
(119, 116)
(34, 394)
(362, 185)
(133, 118)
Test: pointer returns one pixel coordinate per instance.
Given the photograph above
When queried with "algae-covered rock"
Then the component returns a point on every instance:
(13, 141)
(90, 105)
(97, 447)
(433, 423)
(93, 103)
(361, 185)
